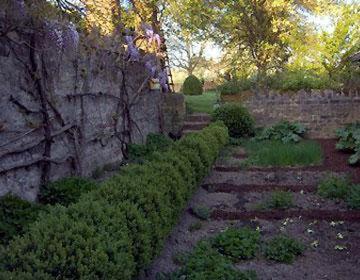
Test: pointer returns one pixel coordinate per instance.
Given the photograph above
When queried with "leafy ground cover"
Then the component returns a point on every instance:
(202, 103)
(276, 153)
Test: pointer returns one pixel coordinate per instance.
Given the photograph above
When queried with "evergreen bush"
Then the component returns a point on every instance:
(113, 232)
(192, 86)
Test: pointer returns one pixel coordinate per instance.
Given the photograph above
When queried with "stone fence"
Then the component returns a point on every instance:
(74, 115)
(322, 112)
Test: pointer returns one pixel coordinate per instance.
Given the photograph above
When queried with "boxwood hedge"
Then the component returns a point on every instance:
(113, 232)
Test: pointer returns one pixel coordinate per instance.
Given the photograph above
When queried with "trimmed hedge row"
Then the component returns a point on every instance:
(115, 231)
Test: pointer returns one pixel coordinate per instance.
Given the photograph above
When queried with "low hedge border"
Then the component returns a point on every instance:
(115, 231)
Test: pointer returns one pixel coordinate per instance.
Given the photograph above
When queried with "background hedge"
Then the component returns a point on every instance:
(114, 231)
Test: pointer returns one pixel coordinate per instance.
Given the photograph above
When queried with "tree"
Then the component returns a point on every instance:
(185, 51)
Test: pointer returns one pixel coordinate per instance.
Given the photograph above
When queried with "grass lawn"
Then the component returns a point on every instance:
(276, 153)
(202, 103)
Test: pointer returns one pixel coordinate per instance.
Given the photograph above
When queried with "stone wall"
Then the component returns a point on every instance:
(93, 108)
(322, 112)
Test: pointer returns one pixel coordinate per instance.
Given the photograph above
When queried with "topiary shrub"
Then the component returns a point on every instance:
(88, 240)
(65, 191)
(283, 249)
(15, 216)
(192, 86)
(238, 244)
(334, 187)
(114, 231)
(237, 119)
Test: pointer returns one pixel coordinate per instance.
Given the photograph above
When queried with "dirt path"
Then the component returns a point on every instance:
(330, 231)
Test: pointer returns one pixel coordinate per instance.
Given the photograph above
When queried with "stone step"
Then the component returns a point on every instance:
(198, 117)
(195, 125)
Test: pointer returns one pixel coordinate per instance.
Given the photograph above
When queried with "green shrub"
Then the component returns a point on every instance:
(238, 244)
(236, 118)
(206, 263)
(65, 191)
(114, 231)
(283, 249)
(88, 240)
(299, 79)
(349, 139)
(334, 187)
(201, 212)
(279, 200)
(154, 142)
(353, 198)
(15, 216)
(236, 86)
(283, 131)
(192, 86)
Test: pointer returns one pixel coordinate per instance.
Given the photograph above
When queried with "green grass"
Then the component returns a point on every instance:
(202, 103)
(276, 153)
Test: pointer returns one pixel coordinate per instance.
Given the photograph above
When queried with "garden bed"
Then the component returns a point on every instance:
(237, 197)
(333, 161)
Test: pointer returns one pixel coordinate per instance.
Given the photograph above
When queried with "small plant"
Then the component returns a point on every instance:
(280, 200)
(284, 131)
(349, 140)
(192, 86)
(65, 191)
(195, 226)
(238, 244)
(206, 263)
(353, 198)
(283, 249)
(334, 187)
(201, 212)
(15, 215)
(237, 118)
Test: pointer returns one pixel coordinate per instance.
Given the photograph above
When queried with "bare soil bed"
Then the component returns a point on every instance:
(328, 228)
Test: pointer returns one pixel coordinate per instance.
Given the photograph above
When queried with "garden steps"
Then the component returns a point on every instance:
(198, 117)
(196, 122)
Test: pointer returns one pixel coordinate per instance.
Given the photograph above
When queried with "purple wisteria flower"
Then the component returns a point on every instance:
(133, 52)
(151, 36)
(71, 37)
(54, 34)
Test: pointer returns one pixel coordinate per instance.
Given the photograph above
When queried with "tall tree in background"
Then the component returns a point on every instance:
(185, 51)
